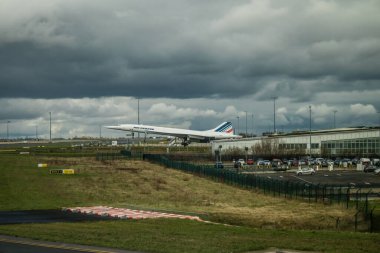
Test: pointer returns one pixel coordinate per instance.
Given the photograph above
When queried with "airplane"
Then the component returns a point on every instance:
(223, 131)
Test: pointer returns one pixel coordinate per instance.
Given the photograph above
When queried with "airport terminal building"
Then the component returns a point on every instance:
(342, 142)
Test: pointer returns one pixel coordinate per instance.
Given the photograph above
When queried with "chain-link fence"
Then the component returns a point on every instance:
(345, 195)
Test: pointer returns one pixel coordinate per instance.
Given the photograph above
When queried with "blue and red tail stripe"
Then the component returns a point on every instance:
(225, 127)
(231, 130)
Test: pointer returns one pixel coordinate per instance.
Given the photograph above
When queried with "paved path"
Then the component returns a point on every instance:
(9, 244)
(45, 216)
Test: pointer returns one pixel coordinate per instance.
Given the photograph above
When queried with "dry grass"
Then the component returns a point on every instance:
(128, 183)
(145, 185)
(153, 186)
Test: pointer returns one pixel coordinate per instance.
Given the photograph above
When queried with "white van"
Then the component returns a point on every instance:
(363, 162)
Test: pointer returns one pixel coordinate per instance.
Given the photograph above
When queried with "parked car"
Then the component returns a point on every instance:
(302, 162)
(219, 165)
(276, 162)
(337, 162)
(305, 171)
(319, 161)
(311, 161)
(263, 163)
(346, 160)
(281, 167)
(369, 168)
(324, 163)
(294, 163)
(377, 171)
(241, 161)
(365, 161)
(250, 162)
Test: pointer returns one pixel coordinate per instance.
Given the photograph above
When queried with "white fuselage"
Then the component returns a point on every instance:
(175, 132)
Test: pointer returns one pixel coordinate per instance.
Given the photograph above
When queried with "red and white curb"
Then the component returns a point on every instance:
(125, 213)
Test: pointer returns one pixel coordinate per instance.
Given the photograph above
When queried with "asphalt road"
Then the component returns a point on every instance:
(45, 216)
(344, 178)
(9, 244)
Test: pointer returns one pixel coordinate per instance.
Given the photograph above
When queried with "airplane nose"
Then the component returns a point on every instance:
(112, 127)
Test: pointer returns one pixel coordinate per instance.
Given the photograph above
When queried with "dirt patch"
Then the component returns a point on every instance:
(129, 169)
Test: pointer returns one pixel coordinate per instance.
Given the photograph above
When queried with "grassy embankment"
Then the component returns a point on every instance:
(148, 186)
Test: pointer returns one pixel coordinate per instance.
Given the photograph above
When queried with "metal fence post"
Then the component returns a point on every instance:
(356, 221)
(316, 190)
(366, 202)
(371, 220)
(357, 198)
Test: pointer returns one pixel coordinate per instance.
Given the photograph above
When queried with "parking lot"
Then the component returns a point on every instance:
(324, 177)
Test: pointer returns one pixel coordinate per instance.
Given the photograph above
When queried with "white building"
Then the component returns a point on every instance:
(350, 142)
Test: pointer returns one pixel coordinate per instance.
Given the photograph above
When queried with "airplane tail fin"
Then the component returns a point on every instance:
(225, 127)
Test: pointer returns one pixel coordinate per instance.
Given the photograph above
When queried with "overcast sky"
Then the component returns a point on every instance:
(193, 64)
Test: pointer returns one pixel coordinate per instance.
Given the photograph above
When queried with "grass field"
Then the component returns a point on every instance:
(165, 235)
(259, 221)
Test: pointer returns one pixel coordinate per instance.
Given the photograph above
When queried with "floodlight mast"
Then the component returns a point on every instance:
(138, 117)
(274, 114)
(310, 128)
(8, 129)
(237, 130)
(50, 124)
(252, 126)
(246, 124)
(335, 111)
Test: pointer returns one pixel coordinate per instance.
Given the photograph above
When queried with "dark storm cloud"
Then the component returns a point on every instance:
(188, 49)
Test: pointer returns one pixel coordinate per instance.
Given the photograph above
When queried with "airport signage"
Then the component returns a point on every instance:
(62, 171)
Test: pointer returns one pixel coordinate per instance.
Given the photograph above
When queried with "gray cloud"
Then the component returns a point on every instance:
(194, 63)
(180, 49)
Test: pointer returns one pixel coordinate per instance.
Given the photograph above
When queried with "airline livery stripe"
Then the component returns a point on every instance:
(224, 127)
(221, 127)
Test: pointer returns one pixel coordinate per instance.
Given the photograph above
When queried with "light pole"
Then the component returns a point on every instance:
(50, 124)
(237, 125)
(36, 133)
(274, 114)
(8, 129)
(138, 111)
(379, 117)
(335, 111)
(252, 125)
(246, 124)
(138, 117)
(310, 128)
